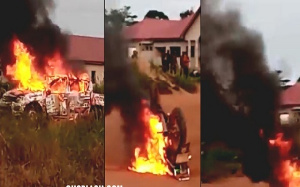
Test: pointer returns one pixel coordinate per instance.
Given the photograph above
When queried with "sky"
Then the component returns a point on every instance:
(278, 22)
(80, 17)
(172, 8)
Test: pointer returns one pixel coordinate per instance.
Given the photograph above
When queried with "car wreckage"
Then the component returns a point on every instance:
(60, 100)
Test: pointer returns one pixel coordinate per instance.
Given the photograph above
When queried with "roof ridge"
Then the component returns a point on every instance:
(84, 36)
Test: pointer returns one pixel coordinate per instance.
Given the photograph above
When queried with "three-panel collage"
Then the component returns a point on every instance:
(128, 93)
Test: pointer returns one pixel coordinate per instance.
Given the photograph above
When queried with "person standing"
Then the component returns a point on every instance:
(134, 56)
(185, 63)
(181, 64)
(173, 64)
(169, 60)
(164, 62)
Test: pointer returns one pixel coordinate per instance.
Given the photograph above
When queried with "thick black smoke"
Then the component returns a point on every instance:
(122, 88)
(239, 94)
(29, 21)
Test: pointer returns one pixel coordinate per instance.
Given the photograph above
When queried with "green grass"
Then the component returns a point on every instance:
(219, 162)
(48, 153)
(189, 84)
(99, 88)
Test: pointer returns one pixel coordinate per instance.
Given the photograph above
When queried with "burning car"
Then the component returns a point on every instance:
(55, 90)
(57, 103)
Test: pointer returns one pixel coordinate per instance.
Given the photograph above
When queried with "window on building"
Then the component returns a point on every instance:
(146, 47)
(192, 51)
(176, 51)
(93, 76)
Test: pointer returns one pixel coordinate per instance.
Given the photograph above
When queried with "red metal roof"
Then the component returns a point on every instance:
(89, 49)
(291, 96)
(155, 29)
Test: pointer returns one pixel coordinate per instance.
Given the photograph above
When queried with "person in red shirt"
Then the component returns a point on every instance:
(184, 63)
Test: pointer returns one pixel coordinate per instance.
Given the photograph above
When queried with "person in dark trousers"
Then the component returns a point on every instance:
(164, 62)
(185, 63)
(169, 60)
(181, 64)
(173, 64)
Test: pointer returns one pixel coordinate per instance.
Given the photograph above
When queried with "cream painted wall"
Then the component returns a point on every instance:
(99, 69)
(194, 32)
(154, 55)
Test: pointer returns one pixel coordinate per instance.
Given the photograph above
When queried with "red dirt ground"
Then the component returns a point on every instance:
(114, 150)
(235, 182)
(190, 104)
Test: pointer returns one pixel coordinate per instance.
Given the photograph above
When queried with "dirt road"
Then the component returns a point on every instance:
(236, 182)
(114, 149)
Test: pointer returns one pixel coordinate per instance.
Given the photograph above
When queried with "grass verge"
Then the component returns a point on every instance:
(48, 153)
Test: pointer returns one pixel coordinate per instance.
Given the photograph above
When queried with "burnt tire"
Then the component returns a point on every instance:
(33, 111)
(177, 134)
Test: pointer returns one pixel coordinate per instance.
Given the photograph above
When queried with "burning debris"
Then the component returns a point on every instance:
(286, 172)
(240, 94)
(154, 160)
(28, 21)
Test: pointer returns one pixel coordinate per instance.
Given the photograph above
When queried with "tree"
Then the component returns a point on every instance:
(186, 13)
(283, 81)
(154, 14)
(120, 17)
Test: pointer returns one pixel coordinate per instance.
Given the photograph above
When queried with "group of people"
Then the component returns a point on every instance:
(169, 63)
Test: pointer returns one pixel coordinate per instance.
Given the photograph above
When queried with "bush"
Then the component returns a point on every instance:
(188, 84)
(54, 154)
(99, 88)
(219, 162)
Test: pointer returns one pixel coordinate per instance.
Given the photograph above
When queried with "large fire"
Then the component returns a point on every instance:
(30, 78)
(286, 171)
(153, 161)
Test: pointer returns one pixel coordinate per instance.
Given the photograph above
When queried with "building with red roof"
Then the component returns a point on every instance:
(290, 105)
(150, 36)
(291, 96)
(90, 51)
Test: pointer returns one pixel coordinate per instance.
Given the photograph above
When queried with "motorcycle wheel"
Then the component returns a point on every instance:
(177, 134)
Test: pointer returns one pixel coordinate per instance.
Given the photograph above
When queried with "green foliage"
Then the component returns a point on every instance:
(99, 88)
(188, 84)
(47, 153)
(219, 162)
(120, 17)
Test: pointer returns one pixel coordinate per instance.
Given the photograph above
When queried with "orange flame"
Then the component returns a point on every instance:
(29, 78)
(23, 70)
(154, 161)
(286, 171)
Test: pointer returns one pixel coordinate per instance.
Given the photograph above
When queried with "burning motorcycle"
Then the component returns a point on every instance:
(168, 151)
(177, 148)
